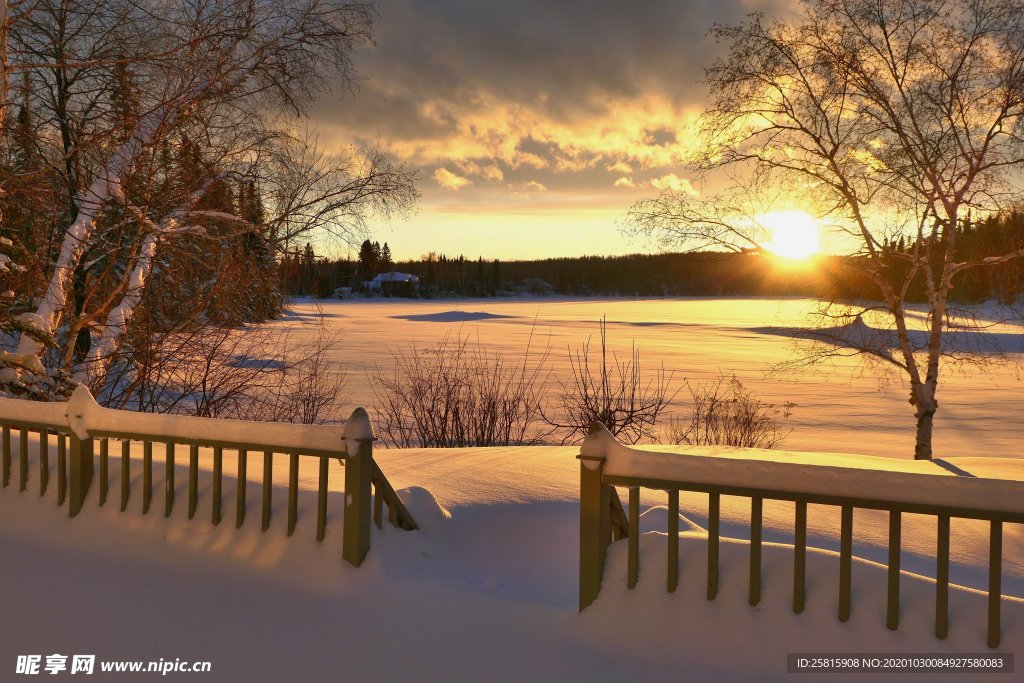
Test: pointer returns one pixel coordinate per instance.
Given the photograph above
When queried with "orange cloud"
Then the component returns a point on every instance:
(449, 180)
(674, 183)
(485, 131)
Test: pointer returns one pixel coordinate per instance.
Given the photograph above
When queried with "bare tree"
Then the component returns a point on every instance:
(892, 118)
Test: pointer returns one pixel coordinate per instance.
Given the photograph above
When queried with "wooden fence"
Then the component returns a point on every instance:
(606, 464)
(80, 428)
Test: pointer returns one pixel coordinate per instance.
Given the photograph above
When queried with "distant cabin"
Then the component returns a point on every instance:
(393, 283)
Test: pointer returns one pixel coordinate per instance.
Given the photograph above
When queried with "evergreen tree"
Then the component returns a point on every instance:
(368, 261)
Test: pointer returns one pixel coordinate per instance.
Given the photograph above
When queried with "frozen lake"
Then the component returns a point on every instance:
(840, 407)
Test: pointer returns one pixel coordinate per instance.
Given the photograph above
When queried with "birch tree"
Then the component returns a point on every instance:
(228, 72)
(889, 118)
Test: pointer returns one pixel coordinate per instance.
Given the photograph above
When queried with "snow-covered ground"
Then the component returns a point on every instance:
(840, 407)
(487, 589)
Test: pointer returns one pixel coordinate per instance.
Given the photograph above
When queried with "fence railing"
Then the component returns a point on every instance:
(606, 464)
(80, 425)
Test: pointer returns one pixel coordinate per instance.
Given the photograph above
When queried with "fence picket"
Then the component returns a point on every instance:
(714, 533)
(243, 468)
(673, 540)
(799, 557)
(634, 537)
(293, 491)
(845, 561)
(378, 505)
(218, 476)
(147, 475)
(44, 461)
(756, 509)
(62, 469)
(193, 479)
(942, 578)
(268, 488)
(126, 476)
(169, 479)
(104, 469)
(5, 446)
(321, 501)
(892, 610)
(995, 560)
(22, 459)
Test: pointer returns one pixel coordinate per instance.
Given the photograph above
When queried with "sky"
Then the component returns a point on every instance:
(533, 125)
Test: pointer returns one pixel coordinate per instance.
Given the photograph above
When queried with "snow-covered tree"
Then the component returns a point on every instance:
(23, 375)
(167, 79)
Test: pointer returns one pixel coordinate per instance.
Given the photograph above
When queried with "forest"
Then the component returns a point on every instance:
(694, 273)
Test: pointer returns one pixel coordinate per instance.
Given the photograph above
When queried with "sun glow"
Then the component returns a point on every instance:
(793, 234)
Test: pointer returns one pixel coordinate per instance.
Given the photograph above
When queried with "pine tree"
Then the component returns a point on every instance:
(124, 98)
(368, 261)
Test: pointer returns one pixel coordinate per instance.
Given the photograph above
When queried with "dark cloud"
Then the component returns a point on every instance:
(566, 93)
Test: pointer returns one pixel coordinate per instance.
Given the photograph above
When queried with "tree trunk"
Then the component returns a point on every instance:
(923, 444)
(922, 397)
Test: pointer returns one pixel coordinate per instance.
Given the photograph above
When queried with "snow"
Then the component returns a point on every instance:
(29, 362)
(487, 588)
(841, 406)
(486, 591)
(395, 276)
(994, 484)
(33, 413)
(87, 418)
(451, 316)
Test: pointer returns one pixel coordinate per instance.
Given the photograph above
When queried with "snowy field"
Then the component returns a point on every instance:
(487, 589)
(839, 406)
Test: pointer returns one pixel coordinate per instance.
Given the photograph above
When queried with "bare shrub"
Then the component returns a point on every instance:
(457, 394)
(247, 373)
(612, 393)
(310, 390)
(725, 413)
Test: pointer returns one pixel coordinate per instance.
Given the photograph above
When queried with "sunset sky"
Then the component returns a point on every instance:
(533, 124)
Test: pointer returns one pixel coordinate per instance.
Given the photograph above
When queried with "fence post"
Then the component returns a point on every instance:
(358, 503)
(80, 472)
(595, 516)
(358, 498)
(80, 469)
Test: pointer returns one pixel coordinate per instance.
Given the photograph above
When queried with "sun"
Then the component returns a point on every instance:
(794, 234)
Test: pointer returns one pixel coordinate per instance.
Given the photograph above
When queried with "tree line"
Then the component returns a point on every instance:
(694, 273)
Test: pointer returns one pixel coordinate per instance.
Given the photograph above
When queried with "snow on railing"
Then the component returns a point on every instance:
(845, 481)
(85, 423)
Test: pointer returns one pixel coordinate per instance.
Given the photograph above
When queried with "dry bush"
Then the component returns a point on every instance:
(457, 394)
(247, 373)
(612, 393)
(726, 414)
